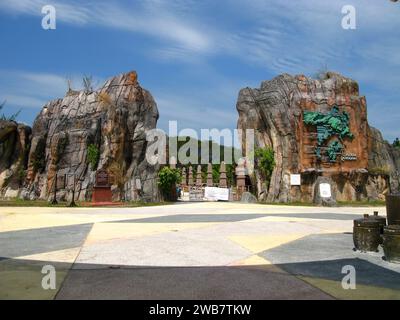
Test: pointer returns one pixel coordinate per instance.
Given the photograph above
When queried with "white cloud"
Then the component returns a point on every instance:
(278, 36)
(300, 36)
(152, 18)
(23, 89)
(71, 13)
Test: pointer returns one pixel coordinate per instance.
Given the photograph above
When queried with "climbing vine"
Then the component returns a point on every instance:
(264, 159)
(93, 156)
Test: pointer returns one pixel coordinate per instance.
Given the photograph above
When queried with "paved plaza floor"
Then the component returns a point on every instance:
(189, 251)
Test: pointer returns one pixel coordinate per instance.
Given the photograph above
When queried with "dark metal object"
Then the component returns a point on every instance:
(391, 243)
(393, 208)
(380, 219)
(366, 234)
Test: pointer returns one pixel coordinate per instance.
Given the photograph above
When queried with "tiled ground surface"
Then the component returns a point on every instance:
(189, 251)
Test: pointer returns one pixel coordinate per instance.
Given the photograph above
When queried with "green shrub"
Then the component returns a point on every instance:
(167, 179)
(264, 159)
(93, 156)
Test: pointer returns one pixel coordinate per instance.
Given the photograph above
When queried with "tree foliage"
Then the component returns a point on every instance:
(167, 179)
(230, 168)
(264, 159)
(396, 143)
(93, 156)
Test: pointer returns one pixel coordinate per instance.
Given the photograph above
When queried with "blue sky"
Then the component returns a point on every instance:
(194, 56)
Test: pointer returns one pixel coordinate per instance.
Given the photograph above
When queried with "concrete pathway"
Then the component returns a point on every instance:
(189, 251)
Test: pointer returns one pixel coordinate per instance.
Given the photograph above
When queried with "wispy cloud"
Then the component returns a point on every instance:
(211, 37)
(23, 89)
(71, 12)
(299, 36)
(149, 17)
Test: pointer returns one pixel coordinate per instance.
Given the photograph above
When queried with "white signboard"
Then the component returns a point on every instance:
(325, 190)
(215, 194)
(295, 180)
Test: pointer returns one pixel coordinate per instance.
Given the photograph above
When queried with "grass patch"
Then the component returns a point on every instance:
(28, 203)
(134, 204)
(290, 204)
(366, 203)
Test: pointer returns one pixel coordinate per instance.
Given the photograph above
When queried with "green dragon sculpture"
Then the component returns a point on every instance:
(334, 123)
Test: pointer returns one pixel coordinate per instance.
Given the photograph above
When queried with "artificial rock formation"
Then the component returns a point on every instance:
(318, 128)
(14, 149)
(87, 131)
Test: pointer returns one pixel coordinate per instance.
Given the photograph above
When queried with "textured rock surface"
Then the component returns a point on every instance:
(114, 119)
(247, 197)
(383, 159)
(276, 110)
(14, 148)
(327, 201)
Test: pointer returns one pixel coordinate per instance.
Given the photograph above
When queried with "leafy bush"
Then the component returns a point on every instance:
(93, 156)
(167, 179)
(265, 163)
